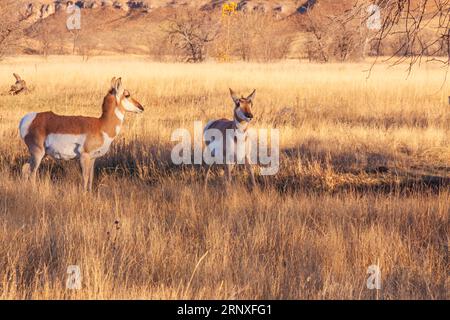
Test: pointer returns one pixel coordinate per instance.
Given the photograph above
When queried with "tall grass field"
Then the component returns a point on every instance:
(364, 180)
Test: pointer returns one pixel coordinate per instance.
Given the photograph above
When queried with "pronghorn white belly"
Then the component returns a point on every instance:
(104, 148)
(64, 146)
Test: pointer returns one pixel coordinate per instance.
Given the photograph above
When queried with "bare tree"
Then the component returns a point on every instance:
(85, 41)
(316, 44)
(243, 35)
(411, 29)
(87, 46)
(60, 43)
(342, 36)
(14, 15)
(191, 32)
(410, 20)
(273, 37)
(254, 35)
(44, 35)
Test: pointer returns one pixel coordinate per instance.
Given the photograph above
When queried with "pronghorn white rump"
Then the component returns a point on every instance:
(25, 122)
(70, 137)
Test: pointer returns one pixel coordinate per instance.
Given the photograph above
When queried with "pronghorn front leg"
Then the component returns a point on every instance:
(85, 162)
(206, 176)
(26, 170)
(250, 170)
(228, 169)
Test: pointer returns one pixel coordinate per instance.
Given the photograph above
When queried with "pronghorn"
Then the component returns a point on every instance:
(239, 125)
(70, 137)
(20, 86)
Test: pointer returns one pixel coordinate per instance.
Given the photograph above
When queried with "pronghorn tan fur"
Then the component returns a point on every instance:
(76, 137)
(20, 86)
(240, 123)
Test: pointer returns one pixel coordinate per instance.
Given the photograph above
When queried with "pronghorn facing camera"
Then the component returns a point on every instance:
(238, 126)
(76, 137)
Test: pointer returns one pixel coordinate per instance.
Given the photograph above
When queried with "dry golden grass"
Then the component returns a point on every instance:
(364, 179)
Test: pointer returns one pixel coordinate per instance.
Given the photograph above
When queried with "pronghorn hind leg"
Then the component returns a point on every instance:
(85, 161)
(206, 176)
(30, 169)
(91, 173)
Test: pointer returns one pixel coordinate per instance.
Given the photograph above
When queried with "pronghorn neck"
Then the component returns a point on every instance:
(112, 116)
(240, 123)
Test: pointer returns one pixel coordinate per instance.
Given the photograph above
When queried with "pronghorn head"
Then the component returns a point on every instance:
(19, 86)
(243, 106)
(123, 97)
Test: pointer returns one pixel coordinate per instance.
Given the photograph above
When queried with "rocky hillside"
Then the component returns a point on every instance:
(42, 9)
(140, 26)
(113, 25)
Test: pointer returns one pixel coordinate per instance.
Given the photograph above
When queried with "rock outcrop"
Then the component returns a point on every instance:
(42, 9)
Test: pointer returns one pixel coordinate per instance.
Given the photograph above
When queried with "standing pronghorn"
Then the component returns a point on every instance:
(70, 137)
(239, 125)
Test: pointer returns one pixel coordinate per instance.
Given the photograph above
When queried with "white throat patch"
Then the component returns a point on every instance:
(119, 114)
(240, 126)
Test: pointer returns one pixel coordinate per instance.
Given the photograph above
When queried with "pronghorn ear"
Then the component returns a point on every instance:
(252, 96)
(234, 96)
(113, 83)
(119, 87)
